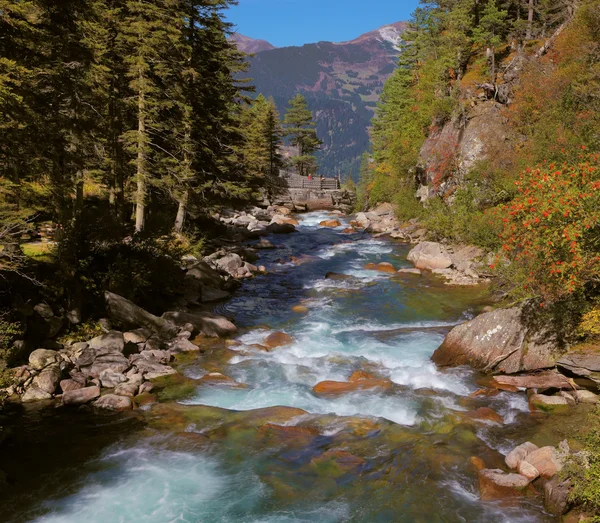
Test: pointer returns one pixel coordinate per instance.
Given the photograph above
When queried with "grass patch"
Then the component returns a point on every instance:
(40, 252)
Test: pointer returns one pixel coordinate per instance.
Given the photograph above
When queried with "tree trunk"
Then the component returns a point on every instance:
(78, 204)
(181, 212)
(140, 197)
(530, 20)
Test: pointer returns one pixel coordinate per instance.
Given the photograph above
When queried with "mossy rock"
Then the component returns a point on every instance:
(174, 387)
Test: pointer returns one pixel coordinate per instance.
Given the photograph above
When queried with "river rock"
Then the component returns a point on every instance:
(210, 294)
(182, 345)
(583, 364)
(230, 263)
(48, 379)
(264, 244)
(546, 460)
(541, 380)
(127, 389)
(300, 309)
(35, 394)
(278, 339)
(280, 228)
(128, 315)
(141, 335)
(338, 388)
(496, 484)
(112, 361)
(585, 396)
(113, 402)
(430, 255)
(111, 342)
(210, 325)
(556, 496)
(85, 358)
(332, 224)
(216, 378)
(362, 220)
(485, 414)
(81, 396)
(41, 358)
(202, 272)
(110, 379)
(528, 470)
(161, 356)
(416, 272)
(499, 341)
(550, 404)
(152, 369)
(519, 453)
(70, 384)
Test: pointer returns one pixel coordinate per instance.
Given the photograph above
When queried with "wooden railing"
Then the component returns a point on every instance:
(295, 181)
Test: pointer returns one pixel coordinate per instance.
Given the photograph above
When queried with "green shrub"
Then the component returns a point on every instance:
(407, 205)
(82, 332)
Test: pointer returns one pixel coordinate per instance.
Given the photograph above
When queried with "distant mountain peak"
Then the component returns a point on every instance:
(391, 33)
(251, 45)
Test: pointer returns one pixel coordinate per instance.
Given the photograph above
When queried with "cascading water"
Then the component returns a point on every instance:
(405, 462)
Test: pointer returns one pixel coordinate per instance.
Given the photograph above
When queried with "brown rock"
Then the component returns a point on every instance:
(113, 402)
(556, 496)
(278, 339)
(358, 375)
(496, 484)
(477, 463)
(288, 431)
(67, 385)
(381, 267)
(216, 378)
(300, 309)
(349, 230)
(549, 404)
(81, 396)
(486, 414)
(338, 388)
(546, 460)
(542, 380)
(330, 223)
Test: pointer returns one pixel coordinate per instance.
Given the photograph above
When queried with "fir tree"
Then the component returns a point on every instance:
(303, 135)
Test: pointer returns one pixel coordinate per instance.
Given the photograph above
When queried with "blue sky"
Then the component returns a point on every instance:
(297, 22)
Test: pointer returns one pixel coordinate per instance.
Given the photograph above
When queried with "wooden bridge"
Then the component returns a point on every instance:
(295, 181)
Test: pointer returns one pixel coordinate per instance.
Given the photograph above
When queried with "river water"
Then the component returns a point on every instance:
(370, 456)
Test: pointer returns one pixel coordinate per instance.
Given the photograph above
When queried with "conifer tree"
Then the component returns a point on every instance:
(303, 135)
(492, 25)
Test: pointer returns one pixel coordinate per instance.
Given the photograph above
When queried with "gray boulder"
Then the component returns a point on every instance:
(42, 358)
(205, 274)
(114, 361)
(110, 342)
(110, 379)
(500, 341)
(48, 379)
(128, 315)
(280, 228)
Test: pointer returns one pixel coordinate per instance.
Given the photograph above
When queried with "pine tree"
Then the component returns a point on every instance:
(489, 32)
(273, 134)
(301, 129)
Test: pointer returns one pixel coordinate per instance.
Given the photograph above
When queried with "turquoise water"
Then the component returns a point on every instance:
(371, 456)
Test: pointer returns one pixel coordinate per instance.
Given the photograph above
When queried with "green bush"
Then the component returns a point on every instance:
(82, 332)
(407, 205)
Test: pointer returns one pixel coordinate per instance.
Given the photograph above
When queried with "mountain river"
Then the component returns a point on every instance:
(399, 455)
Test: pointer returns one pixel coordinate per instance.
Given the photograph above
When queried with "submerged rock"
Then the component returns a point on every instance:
(278, 339)
(332, 224)
(338, 388)
(499, 341)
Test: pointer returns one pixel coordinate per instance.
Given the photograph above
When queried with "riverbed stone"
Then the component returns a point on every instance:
(519, 453)
(430, 255)
(127, 389)
(497, 484)
(332, 224)
(211, 325)
(48, 379)
(41, 358)
(70, 384)
(546, 460)
(113, 402)
(485, 414)
(35, 394)
(151, 370)
(110, 342)
(180, 344)
(338, 388)
(110, 379)
(278, 339)
(528, 470)
(586, 396)
(216, 378)
(81, 396)
(500, 341)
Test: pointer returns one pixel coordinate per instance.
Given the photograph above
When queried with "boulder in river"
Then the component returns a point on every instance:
(515, 456)
(278, 339)
(496, 484)
(546, 460)
(48, 379)
(280, 228)
(35, 394)
(430, 256)
(585, 364)
(549, 404)
(42, 358)
(338, 388)
(332, 224)
(540, 381)
(500, 341)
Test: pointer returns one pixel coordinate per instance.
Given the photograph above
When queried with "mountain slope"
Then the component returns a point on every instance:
(342, 83)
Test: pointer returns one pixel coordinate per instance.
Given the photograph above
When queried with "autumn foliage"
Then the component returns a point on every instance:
(552, 228)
